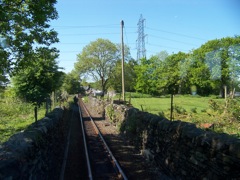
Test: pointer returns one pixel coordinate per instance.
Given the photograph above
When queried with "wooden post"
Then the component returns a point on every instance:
(35, 113)
(130, 98)
(52, 105)
(226, 102)
(225, 92)
(171, 114)
(123, 80)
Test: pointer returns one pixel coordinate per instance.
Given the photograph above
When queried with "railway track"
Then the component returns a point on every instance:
(96, 160)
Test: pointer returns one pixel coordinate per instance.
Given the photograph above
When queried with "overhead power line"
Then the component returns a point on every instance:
(170, 40)
(179, 34)
(154, 33)
(89, 34)
(90, 26)
(156, 45)
(130, 27)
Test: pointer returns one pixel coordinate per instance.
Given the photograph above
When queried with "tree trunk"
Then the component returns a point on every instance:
(103, 87)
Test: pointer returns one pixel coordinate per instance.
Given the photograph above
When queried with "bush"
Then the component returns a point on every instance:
(161, 114)
(233, 109)
(194, 110)
(110, 112)
(180, 110)
(214, 105)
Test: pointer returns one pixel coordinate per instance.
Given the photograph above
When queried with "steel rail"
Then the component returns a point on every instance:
(108, 149)
(85, 145)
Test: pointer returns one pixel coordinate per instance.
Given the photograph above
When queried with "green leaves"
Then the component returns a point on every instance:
(115, 81)
(24, 25)
(215, 65)
(35, 82)
(98, 60)
(209, 68)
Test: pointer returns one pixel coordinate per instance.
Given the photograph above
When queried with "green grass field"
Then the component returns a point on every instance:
(15, 116)
(194, 109)
(156, 105)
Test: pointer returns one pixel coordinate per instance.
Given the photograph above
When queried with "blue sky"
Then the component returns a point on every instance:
(171, 25)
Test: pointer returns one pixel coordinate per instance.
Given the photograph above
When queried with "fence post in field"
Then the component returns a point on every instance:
(171, 113)
(35, 113)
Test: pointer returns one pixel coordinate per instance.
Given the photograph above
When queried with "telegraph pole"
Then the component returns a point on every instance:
(123, 80)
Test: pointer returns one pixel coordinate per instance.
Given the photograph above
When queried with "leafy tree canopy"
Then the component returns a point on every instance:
(98, 60)
(71, 83)
(24, 28)
(149, 73)
(216, 63)
(115, 81)
(210, 67)
(35, 82)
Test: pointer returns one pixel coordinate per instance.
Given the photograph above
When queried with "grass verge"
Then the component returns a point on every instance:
(15, 116)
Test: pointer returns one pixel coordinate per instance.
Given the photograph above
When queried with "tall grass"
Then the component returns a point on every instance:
(15, 116)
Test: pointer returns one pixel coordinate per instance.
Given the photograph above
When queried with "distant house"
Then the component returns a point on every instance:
(94, 92)
(111, 93)
(237, 94)
(97, 92)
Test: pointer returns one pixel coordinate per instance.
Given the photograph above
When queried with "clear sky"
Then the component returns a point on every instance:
(171, 25)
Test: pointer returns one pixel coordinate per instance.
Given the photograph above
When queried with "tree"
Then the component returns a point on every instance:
(3, 81)
(143, 76)
(156, 68)
(234, 65)
(39, 79)
(214, 63)
(116, 79)
(23, 29)
(149, 74)
(71, 83)
(171, 74)
(98, 60)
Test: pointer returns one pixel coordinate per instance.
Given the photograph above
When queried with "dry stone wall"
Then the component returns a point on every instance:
(179, 149)
(30, 153)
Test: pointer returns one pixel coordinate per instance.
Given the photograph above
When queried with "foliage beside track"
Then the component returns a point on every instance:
(15, 116)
